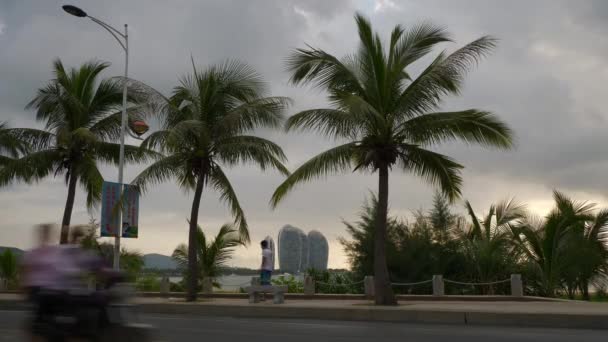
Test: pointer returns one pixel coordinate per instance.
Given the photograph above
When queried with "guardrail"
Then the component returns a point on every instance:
(438, 284)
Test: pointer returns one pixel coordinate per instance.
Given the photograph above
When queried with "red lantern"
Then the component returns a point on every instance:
(139, 127)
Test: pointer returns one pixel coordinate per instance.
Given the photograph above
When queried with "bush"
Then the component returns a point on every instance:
(293, 285)
(177, 287)
(336, 282)
(148, 283)
(8, 269)
(600, 293)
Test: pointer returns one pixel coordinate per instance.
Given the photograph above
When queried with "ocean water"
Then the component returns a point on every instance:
(233, 282)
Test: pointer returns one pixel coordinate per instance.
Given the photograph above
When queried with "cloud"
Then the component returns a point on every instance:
(546, 79)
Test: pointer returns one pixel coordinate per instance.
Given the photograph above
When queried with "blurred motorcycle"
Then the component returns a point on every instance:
(90, 315)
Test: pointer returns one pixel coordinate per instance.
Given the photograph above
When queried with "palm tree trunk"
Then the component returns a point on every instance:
(193, 269)
(585, 290)
(382, 287)
(69, 205)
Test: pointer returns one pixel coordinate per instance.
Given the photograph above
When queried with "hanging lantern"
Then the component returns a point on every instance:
(139, 127)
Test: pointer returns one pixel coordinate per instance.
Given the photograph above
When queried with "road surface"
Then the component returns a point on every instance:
(216, 329)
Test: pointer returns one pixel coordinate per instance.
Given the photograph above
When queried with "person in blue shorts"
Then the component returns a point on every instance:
(267, 264)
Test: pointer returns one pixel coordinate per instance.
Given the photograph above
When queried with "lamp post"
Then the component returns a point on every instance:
(123, 40)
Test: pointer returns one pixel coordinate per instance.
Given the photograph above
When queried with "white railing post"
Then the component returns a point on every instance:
(368, 283)
(207, 285)
(517, 288)
(438, 287)
(309, 285)
(165, 286)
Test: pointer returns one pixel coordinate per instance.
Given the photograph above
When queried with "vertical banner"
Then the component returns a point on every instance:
(130, 212)
(110, 223)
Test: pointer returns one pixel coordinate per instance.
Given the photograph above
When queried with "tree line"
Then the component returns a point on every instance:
(561, 254)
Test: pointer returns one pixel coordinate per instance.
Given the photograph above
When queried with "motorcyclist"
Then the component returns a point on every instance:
(40, 273)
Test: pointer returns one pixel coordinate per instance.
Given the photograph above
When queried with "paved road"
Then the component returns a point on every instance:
(209, 329)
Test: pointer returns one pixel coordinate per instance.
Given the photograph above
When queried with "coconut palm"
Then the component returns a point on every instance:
(548, 242)
(488, 243)
(82, 119)
(212, 255)
(206, 126)
(387, 118)
(585, 255)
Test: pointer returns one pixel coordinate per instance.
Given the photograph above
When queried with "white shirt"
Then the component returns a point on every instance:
(267, 259)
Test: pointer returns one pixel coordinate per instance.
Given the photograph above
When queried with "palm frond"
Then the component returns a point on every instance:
(110, 153)
(251, 149)
(436, 168)
(31, 167)
(470, 126)
(334, 123)
(25, 138)
(409, 46)
(161, 171)
(509, 212)
(264, 112)
(476, 231)
(222, 185)
(322, 69)
(442, 77)
(337, 159)
(90, 179)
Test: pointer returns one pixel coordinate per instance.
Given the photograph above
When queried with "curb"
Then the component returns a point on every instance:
(455, 317)
(371, 314)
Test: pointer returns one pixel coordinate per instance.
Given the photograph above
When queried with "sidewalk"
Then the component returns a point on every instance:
(562, 314)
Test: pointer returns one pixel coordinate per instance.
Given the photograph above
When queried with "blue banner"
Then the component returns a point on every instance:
(110, 206)
(130, 212)
(110, 222)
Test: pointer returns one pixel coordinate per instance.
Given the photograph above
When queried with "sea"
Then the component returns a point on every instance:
(233, 282)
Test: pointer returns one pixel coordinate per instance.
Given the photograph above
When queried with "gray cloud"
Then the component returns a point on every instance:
(546, 80)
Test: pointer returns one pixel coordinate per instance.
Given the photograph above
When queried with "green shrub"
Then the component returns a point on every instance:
(293, 285)
(148, 283)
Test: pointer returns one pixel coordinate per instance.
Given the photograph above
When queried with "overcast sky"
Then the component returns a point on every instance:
(547, 80)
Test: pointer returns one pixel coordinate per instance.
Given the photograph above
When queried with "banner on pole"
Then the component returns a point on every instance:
(110, 222)
(130, 213)
(111, 202)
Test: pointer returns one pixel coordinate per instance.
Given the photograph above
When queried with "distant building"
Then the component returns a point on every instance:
(298, 252)
(303, 252)
(318, 251)
(290, 249)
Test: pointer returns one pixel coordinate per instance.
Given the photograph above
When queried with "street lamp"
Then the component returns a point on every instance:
(123, 40)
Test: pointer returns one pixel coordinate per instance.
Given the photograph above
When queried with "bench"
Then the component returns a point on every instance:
(278, 293)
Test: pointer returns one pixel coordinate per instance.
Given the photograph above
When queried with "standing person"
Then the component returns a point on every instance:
(267, 264)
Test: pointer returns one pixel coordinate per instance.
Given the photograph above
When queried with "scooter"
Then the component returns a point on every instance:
(99, 315)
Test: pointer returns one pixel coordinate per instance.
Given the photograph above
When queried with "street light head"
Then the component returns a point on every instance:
(75, 11)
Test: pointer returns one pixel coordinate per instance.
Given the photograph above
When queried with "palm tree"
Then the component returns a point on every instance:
(387, 118)
(205, 127)
(548, 242)
(585, 255)
(488, 242)
(82, 117)
(212, 255)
